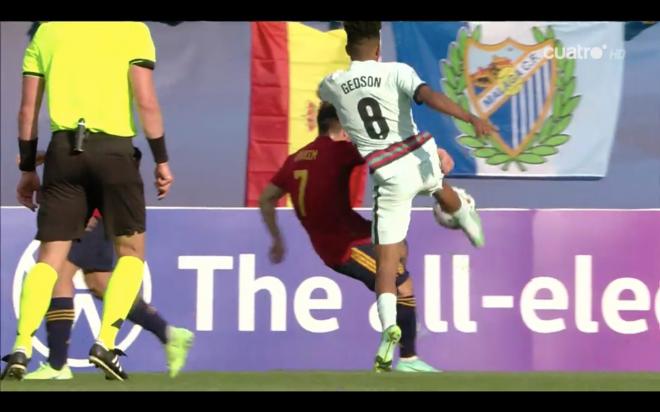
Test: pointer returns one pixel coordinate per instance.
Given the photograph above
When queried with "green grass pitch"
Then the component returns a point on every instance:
(348, 381)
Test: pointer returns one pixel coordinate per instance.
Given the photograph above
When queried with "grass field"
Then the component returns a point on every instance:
(347, 381)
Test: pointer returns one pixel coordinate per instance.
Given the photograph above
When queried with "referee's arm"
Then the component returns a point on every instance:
(142, 60)
(28, 115)
(32, 92)
(28, 119)
(148, 109)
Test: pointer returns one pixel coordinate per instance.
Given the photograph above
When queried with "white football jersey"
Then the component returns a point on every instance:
(374, 102)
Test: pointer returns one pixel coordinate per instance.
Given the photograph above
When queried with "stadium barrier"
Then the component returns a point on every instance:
(561, 290)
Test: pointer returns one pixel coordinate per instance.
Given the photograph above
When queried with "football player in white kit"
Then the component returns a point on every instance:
(373, 100)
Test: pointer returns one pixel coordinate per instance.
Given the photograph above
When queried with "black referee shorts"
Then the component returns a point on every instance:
(105, 176)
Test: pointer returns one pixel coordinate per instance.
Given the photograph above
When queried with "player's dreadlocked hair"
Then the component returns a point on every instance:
(359, 31)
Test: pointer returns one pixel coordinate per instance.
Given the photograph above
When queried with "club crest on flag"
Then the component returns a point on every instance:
(523, 89)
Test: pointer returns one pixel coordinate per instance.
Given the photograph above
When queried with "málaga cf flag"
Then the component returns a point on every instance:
(289, 60)
(552, 89)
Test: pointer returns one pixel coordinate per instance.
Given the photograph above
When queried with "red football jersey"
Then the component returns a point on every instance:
(318, 178)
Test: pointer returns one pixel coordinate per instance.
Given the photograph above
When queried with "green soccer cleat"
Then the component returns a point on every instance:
(470, 222)
(388, 342)
(472, 228)
(47, 372)
(414, 365)
(178, 344)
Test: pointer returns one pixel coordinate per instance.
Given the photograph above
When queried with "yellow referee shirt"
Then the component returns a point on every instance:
(85, 66)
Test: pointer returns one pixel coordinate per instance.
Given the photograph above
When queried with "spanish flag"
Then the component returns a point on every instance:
(288, 61)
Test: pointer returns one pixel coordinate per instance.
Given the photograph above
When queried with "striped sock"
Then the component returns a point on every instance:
(59, 321)
(406, 318)
(146, 316)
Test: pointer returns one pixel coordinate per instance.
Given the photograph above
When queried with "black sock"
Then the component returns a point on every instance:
(406, 318)
(59, 321)
(147, 317)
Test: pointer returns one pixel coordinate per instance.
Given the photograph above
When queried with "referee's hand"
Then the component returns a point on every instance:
(164, 179)
(27, 187)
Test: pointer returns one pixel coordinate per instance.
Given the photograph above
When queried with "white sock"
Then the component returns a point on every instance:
(386, 304)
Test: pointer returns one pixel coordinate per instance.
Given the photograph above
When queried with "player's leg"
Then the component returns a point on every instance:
(361, 265)
(465, 215)
(59, 322)
(448, 200)
(406, 318)
(392, 207)
(176, 341)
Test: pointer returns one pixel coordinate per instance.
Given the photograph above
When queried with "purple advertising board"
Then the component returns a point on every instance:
(553, 290)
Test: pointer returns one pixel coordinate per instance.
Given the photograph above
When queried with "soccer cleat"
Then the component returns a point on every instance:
(178, 344)
(414, 365)
(47, 372)
(466, 218)
(388, 342)
(471, 225)
(108, 361)
(16, 365)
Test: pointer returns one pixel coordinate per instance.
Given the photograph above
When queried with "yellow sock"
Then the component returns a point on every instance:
(35, 299)
(123, 287)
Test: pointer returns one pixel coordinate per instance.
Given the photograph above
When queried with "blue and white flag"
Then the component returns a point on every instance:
(552, 90)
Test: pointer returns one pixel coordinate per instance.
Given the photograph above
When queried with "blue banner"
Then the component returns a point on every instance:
(551, 89)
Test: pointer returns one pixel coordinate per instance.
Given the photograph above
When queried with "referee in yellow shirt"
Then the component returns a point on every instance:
(92, 71)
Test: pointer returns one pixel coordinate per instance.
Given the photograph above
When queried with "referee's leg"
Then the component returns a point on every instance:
(123, 208)
(60, 219)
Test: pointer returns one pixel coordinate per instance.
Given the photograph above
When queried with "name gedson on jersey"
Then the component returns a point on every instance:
(358, 82)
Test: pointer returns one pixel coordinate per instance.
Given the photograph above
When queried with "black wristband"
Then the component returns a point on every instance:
(158, 149)
(28, 153)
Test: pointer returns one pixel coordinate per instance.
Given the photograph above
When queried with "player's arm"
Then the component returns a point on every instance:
(267, 205)
(409, 83)
(444, 104)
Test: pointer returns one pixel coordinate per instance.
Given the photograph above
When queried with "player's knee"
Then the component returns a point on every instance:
(130, 246)
(96, 284)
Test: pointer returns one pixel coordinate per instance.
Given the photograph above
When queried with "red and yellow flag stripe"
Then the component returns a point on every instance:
(288, 62)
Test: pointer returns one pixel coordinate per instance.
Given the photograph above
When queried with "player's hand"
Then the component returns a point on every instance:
(41, 158)
(481, 126)
(164, 179)
(277, 250)
(91, 224)
(446, 161)
(28, 186)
